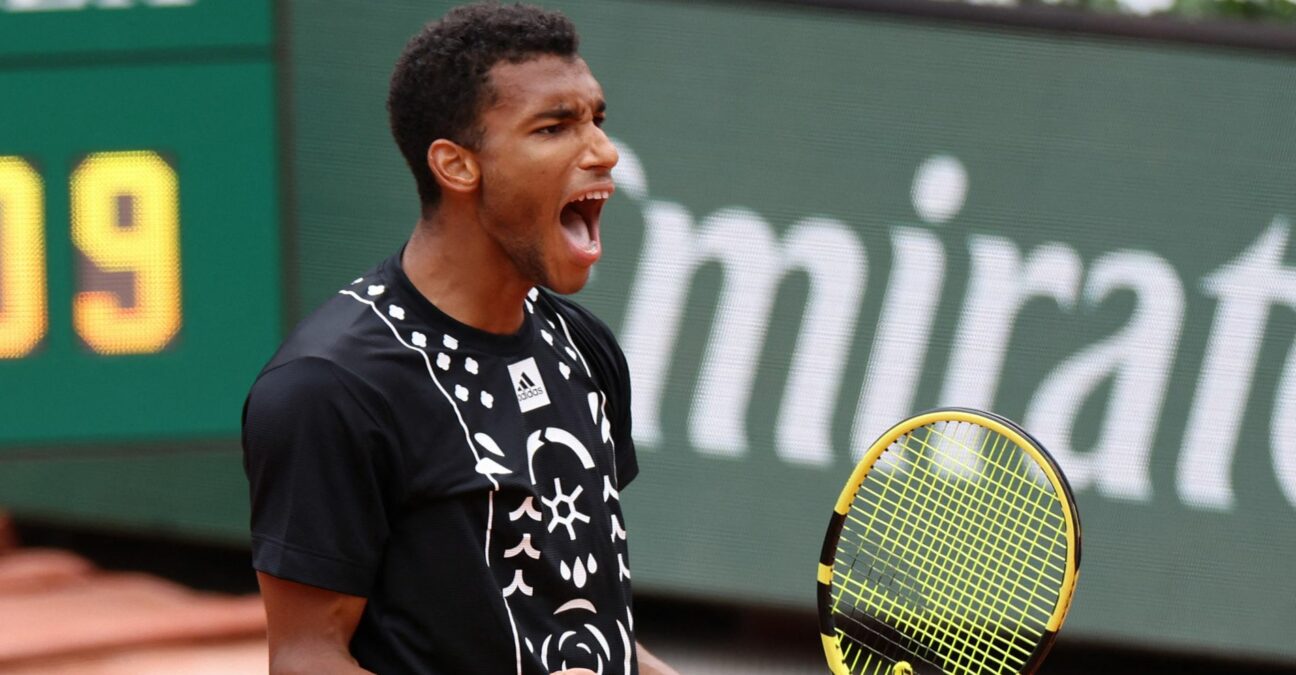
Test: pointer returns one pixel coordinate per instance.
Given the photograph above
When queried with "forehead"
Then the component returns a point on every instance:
(543, 82)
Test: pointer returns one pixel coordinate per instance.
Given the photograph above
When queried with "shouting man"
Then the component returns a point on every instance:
(436, 454)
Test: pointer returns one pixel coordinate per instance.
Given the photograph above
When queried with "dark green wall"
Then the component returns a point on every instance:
(1117, 276)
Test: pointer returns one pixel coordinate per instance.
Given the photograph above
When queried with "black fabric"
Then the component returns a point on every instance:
(389, 457)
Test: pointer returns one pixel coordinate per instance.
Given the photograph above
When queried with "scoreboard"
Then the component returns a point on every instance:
(139, 239)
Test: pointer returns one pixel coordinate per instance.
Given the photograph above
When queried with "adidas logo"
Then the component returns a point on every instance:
(528, 385)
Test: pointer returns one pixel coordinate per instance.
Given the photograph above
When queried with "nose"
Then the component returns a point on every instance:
(600, 152)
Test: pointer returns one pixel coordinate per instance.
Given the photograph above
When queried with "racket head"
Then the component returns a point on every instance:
(953, 548)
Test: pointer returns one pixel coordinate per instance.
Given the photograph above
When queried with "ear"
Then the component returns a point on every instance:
(455, 167)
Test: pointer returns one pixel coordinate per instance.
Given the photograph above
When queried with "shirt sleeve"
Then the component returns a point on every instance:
(320, 473)
(627, 461)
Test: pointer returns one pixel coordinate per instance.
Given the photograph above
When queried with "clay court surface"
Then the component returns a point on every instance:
(60, 615)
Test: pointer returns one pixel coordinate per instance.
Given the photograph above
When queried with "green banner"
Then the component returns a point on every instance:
(828, 220)
(47, 28)
(139, 256)
(151, 284)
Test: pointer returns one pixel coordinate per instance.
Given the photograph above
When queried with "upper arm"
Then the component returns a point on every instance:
(321, 474)
(309, 628)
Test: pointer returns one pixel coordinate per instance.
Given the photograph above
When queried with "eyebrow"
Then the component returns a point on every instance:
(563, 112)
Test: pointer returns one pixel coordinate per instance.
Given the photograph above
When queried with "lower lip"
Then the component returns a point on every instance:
(585, 256)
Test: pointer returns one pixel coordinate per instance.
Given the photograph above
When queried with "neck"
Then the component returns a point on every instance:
(451, 261)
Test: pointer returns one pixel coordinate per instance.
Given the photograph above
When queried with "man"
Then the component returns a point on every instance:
(436, 454)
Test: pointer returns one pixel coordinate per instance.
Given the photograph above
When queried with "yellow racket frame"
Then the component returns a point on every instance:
(832, 648)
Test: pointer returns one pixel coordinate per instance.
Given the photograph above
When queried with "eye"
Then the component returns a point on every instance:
(550, 130)
(599, 120)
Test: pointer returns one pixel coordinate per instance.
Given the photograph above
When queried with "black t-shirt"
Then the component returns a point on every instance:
(466, 483)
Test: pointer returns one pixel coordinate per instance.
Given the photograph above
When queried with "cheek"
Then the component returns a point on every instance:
(522, 184)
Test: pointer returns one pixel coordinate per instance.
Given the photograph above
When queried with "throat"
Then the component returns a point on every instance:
(457, 283)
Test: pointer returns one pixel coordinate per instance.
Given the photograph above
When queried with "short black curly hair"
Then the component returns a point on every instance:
(441, 81)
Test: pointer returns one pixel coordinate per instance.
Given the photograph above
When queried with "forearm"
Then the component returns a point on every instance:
(309, 629)
(651, 665)
(303, 660)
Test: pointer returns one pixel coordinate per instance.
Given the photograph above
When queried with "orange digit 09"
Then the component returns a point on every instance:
(126, 219)
(24, 312)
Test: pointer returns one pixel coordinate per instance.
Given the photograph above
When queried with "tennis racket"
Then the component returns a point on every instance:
(953, 550)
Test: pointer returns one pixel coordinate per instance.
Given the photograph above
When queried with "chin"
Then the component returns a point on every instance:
(567, 284)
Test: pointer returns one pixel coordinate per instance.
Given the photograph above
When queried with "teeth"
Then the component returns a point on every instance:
(592, 195)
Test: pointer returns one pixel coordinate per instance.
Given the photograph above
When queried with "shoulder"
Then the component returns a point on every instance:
(312, 387)
(579, 319)
(306, 374)
(336, 331)
(331, 360)
(611, 373)
(594, 340)
(346, 338)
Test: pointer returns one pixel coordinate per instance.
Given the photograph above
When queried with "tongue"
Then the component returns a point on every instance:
(574, 224)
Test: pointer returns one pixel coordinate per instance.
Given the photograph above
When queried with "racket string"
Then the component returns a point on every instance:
(944, 560)
(894, 653)
(937, 516)
(1052, 593)
(978, 524)
(996, 607)
(936, 561)
(1019, 480)
(1037, 517)
(858, 595)
(881, 603)
(995, 596)
(900, 613)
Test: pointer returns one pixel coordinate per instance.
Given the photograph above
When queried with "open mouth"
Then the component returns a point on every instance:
(580, 218)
